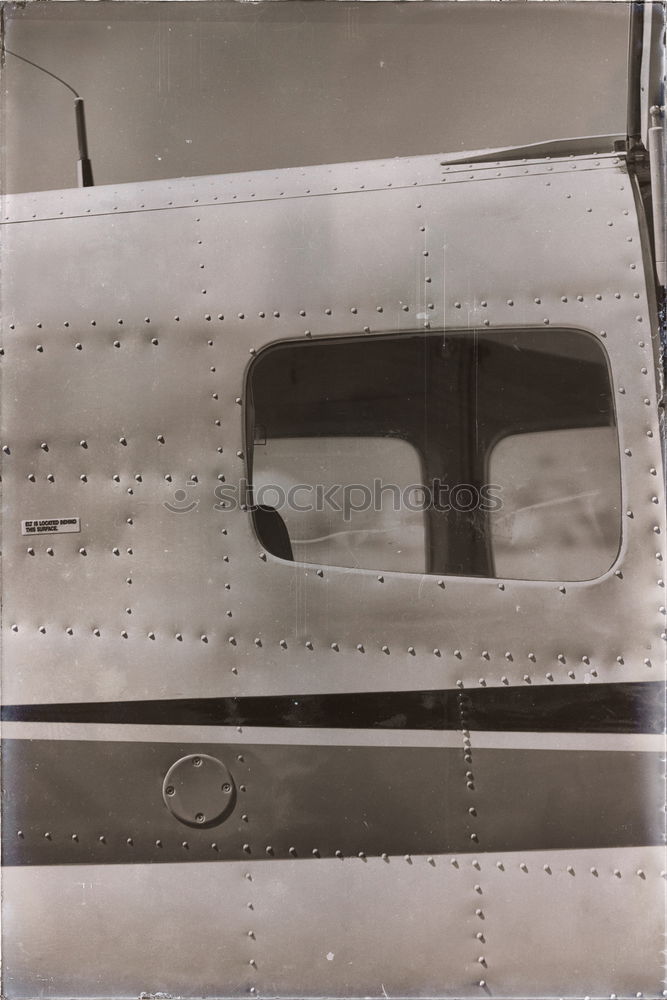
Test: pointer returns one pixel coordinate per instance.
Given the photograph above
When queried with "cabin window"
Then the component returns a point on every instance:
(472, 453)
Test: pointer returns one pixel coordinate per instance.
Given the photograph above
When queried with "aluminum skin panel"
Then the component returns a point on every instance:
(342, 928)
(130, 317)
(154, 396)
(322, 801)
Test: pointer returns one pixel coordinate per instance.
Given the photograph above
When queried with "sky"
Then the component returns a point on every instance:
(181, 88)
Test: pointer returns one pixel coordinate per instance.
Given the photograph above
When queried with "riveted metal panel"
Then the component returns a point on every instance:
(595, 918)
(366, 927)
(319, 800)
(130, 317)
(145, 390)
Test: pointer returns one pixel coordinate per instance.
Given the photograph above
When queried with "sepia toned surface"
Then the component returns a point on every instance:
(268, 751)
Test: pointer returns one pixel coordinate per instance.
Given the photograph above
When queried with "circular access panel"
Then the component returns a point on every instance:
(199, 790)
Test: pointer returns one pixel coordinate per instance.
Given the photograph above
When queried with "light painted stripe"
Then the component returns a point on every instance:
(284, 736)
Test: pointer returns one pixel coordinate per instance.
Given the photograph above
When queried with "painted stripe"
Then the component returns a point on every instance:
(634, 707)
(221, 735)
(76, 802)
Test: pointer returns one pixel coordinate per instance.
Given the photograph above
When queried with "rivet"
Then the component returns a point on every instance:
(532, 657)
(459, 683)
(360, 648)
(335, 646)
(380, 579)
(411, 650)
(283, 644)
(436, 652)
(504, 680)
(523, 866)
(457, 654)
(508, 655)
(231, 640)
(31, 551)
(385, 649)
(549, 676)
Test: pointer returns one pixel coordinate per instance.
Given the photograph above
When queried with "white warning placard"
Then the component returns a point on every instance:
(50, 526)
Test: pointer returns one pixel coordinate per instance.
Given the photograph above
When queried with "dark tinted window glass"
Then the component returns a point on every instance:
(475, 454)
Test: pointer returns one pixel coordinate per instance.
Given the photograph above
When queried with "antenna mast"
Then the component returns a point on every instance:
(84, 168)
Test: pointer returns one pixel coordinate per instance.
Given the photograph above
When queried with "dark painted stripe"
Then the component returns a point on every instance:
(80, 802)
(636, 707)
